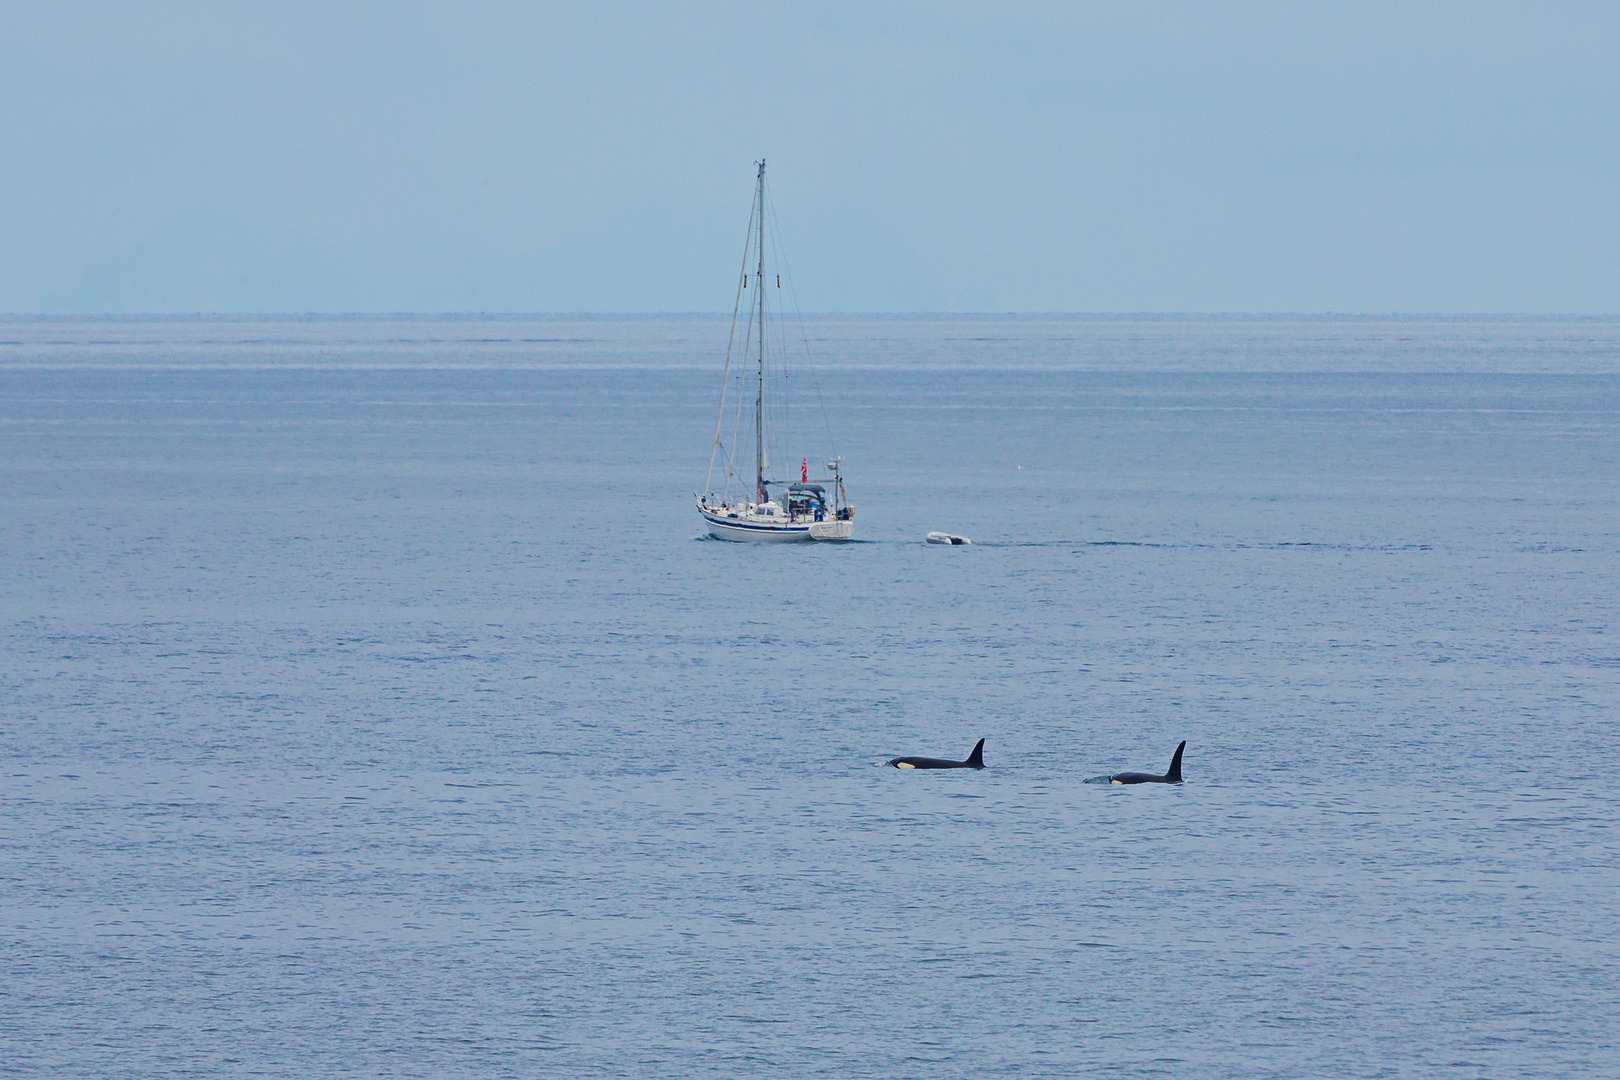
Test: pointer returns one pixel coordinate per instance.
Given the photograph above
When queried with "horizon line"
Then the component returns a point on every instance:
(42, 316)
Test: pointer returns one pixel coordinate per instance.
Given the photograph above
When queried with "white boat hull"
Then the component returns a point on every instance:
(726, 527)
(737, 530)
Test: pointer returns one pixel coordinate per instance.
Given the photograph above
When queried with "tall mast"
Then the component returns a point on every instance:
(759, 398)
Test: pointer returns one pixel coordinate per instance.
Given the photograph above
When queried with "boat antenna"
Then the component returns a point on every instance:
(759, 398)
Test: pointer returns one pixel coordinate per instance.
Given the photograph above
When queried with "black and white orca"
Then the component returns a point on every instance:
(1172, 776)
(974, 760)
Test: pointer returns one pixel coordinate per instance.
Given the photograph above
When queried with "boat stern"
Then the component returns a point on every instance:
(832, 530)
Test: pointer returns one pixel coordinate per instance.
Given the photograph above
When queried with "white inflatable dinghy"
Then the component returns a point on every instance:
(947, 538)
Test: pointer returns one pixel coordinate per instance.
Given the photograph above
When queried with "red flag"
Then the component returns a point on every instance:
(804, 470)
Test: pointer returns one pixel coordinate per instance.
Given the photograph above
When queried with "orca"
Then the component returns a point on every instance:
(1171, 776)
(974, 760)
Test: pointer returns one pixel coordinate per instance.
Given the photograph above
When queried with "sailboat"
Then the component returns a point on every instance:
(808, 509)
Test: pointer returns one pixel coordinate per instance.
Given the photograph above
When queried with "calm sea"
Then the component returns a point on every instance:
(370, 703)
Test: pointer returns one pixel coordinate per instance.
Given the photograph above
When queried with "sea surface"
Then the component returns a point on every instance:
(371, 703)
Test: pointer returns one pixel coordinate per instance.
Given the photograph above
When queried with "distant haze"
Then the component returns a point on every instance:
(923, 157)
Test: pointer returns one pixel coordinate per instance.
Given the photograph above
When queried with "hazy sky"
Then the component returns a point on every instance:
(932, 156)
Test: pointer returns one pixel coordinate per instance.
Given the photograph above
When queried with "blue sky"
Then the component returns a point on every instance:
(1357, 157)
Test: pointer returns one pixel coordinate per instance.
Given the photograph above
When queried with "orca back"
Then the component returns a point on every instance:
(974, 760)
(1172, 775)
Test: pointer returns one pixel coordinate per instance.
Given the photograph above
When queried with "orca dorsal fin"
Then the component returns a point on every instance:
(1174, 775)
(975, 760)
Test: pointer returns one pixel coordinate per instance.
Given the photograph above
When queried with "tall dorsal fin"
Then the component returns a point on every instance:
(1174, 775)
(975, 760)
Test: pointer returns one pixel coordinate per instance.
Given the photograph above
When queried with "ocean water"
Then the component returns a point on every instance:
(370, 703)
